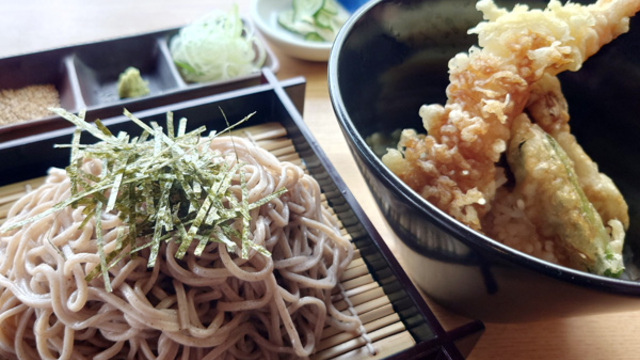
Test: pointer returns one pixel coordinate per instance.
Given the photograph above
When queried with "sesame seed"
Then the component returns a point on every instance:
(27, 103)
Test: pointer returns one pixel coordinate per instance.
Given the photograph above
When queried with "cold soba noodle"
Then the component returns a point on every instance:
(213, 306)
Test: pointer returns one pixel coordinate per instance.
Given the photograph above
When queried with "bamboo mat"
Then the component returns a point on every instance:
(384, 332)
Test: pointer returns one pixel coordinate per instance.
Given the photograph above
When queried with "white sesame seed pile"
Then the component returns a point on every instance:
(27, 103)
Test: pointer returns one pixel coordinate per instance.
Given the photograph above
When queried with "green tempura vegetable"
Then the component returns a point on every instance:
(131, 84)
(546, 178)
(163, 187)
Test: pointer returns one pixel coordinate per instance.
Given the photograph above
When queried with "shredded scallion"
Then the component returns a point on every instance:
(216, 47)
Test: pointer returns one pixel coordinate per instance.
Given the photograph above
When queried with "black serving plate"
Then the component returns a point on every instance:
(282, 102)
(86, 77)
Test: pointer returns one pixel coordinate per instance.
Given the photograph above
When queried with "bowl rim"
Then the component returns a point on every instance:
(439, 218)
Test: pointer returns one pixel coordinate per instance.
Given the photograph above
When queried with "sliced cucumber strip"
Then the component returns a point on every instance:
(313, 36)
(330, 6)
(323, 19)
(314, 20)
(286, 20)
(306, 8)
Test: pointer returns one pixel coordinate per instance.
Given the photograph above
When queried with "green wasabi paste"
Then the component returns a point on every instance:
(131, 84)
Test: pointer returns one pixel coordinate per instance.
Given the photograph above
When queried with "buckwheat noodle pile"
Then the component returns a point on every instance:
(212, 306)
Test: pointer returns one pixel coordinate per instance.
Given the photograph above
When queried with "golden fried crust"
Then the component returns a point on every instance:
(454, 166)
(598, 187)
(555, 202)
(548, 108)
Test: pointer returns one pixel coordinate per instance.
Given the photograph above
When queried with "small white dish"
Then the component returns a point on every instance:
(264, 14)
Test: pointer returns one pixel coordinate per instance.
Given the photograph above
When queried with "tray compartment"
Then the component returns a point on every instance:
(45, 68)
(86, 77)
(99, 65)
(165, 46)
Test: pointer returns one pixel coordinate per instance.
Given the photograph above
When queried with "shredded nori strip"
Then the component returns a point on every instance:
(162, 186)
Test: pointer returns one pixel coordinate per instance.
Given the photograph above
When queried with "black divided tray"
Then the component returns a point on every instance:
(86, 77)
(282, 102)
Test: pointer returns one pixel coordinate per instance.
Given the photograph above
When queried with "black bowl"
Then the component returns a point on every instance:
(390, 58)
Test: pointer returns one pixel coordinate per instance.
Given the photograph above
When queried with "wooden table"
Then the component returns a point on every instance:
(33, 25)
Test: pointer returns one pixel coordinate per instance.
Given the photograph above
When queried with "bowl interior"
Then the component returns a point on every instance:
(392, 57)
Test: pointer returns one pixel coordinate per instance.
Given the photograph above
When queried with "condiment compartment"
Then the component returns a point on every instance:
(86, 75)
(98, 68)
(415, 332)
(40, 69)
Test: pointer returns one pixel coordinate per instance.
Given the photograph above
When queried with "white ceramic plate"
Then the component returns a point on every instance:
(264, 15)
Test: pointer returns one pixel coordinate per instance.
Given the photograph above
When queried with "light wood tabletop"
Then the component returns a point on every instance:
(33, 25)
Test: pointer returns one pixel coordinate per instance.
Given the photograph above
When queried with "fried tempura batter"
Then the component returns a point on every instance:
(554, 202)
(454, 166)
(560, 197)
(548, 108)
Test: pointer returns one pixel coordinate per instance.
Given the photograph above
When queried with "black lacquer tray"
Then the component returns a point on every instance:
(282, 102)
(86, 76)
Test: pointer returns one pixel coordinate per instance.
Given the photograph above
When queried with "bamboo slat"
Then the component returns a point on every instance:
(382, 329)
